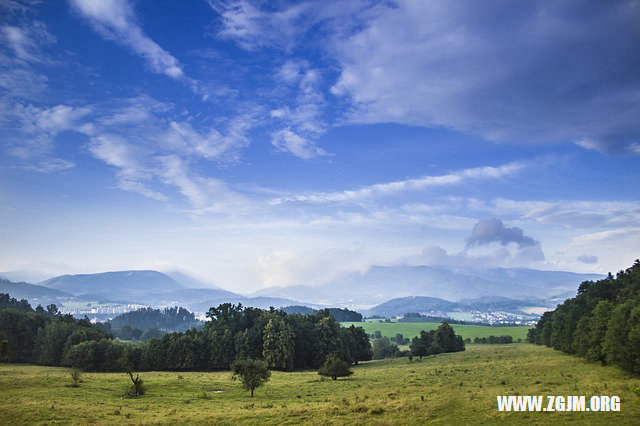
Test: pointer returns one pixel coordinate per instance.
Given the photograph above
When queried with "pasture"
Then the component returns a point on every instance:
(458, 388)
(411, 329)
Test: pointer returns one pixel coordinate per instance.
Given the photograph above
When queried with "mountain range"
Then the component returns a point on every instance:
(361, 291)
(382, 283)
(440, 307)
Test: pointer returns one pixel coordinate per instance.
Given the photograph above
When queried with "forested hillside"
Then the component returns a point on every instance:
(602, 323)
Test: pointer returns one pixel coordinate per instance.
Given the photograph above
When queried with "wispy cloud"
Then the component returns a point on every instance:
(571, 213)
(390, 188)
(303, 118)
(116, 21)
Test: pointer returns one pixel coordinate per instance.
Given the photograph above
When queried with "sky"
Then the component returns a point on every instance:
(254, 144)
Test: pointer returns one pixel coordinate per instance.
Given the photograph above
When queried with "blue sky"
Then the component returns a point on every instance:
(276, 143)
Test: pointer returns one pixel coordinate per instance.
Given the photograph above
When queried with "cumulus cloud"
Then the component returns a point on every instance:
(588, 259)
(514, 249)
(493, 231)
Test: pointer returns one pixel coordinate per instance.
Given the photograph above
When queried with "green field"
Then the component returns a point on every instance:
(457, 388)
(411, 329)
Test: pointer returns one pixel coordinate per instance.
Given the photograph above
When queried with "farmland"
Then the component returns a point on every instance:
(458, 387)
(411, 329)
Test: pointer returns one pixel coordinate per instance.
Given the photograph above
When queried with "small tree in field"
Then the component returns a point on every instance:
(334, 367)
(252, 372)
(137, 388)
(76, 377)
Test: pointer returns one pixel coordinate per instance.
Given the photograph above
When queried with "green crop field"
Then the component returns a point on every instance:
(411, 329)
(456, 388)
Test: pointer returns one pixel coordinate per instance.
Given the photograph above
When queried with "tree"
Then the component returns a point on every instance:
(446, 340)
(334, 367)
(52, 310)
(252, 372)
(363, 350)
(76, 377)
(278, 345)
(5, 354)
(383, 348)
(421, 345)
(137, 388)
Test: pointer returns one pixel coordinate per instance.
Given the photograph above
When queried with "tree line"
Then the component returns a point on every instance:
(602, 323)
(493, 340)
(283, 342)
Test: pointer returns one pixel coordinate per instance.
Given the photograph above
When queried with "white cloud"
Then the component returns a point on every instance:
(287, 140)
(31, 129)
(22, 48)
(390, 188)
(308, 267)
(115, 20)
(304, 116)
(571, 213)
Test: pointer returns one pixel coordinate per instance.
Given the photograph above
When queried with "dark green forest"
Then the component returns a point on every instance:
(167, 319)
(340, 314)
(602, 323)
(283, 342)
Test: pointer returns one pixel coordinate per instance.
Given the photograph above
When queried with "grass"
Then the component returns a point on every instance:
(411, 329)
(458, 388)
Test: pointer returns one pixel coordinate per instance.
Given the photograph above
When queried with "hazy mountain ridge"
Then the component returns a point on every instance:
(117, 283)
(32, 292)
(420, 304)
(153, 288)
(383, 283)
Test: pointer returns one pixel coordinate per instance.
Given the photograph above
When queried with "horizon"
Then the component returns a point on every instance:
(251, 145)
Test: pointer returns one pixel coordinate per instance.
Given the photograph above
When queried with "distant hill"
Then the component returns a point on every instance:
(420, 304)
(382, 283)
(154, 288)
(403, 305)
(114, 284)
(35, 294)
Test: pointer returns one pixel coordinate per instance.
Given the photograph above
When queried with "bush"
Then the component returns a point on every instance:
(334, 367)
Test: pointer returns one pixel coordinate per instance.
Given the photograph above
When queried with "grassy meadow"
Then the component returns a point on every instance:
(456, 388)
(411, 329)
